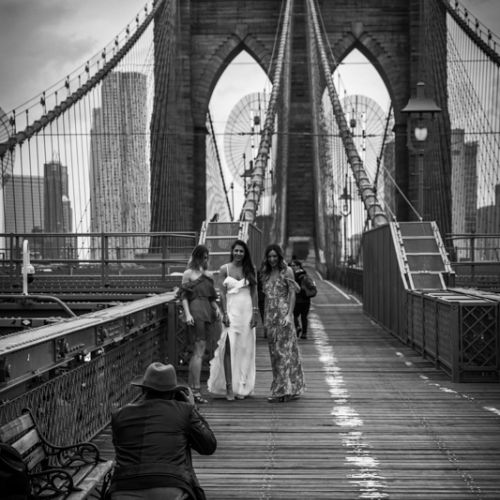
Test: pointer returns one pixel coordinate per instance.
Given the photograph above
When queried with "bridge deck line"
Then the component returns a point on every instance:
(377, 421)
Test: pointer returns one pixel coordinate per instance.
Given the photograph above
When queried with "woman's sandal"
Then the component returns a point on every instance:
(276, 399)
(198, 398)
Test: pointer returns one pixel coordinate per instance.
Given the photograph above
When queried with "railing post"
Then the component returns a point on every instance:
(473, 258)
(171, 333)
(163, 257)
(104, 255)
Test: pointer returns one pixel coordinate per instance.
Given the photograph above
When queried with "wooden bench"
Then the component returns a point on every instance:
(57, 472)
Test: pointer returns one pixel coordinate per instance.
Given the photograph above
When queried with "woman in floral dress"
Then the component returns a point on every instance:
(279, 287)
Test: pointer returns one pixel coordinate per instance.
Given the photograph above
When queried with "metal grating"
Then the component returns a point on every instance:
(479, 339)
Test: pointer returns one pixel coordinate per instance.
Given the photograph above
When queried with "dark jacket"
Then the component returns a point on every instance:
(153, 441)
(301, 297)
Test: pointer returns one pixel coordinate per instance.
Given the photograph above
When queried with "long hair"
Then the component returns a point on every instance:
(197, 257)
(248, 267)
(266, 268)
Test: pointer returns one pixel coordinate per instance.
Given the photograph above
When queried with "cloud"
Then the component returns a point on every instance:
(41, 41)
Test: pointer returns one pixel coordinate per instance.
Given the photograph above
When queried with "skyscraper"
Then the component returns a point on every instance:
(24, 203)
(57, 211)
(463, 188)
(119, 171)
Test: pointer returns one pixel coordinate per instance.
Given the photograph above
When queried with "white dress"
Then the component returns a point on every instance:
(241, 340)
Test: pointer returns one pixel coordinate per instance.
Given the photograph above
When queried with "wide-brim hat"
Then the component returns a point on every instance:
(159, 377)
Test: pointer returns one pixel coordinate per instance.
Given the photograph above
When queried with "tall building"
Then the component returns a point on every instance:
(24, 202)
(119, 170)
(463, 189)
(56, 194)
(489, 223)
(57, 212)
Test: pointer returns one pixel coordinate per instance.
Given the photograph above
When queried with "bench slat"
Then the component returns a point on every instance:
(15, 427)
(33, 458)
(92, 480)
(28, 441)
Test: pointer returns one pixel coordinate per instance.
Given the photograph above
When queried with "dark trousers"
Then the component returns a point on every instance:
(301, 310)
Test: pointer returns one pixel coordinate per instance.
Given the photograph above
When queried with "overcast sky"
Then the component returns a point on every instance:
(43, 40)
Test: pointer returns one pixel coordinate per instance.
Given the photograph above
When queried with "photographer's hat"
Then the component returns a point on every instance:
(159, 377)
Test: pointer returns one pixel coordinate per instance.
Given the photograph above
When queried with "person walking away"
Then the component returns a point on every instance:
(232, 369)
(153, 439)
(302, 300)
(279, 288)
(199, 297)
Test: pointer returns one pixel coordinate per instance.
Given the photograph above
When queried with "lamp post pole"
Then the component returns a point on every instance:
(232, 197)
(420, 173)
(346, 207)
(419, 109)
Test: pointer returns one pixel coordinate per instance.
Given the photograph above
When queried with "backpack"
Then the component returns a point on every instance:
(308, 286)
(13, 473)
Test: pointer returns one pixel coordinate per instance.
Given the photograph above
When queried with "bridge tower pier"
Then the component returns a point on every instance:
(195, 40)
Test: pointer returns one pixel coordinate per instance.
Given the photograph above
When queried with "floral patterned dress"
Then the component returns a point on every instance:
(288, 377)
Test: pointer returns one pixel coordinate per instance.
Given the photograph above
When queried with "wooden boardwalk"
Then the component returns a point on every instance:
(377, 422)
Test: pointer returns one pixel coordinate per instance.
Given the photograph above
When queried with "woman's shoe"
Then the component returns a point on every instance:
(229, 392)
(276, 399)
(198, 398)
(238, 396)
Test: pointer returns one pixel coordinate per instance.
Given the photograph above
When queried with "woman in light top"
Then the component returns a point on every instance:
(232, 369)
(199, 301)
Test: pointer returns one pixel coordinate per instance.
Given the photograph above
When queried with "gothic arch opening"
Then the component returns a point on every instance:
(236, 113)
(367, 106)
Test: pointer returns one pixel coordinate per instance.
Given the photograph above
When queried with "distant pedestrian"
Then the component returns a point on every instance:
(201, 310)
(153, 439)
(302, 300)
(279, 287)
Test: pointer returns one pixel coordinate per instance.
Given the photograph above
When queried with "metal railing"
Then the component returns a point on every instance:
(97, 257)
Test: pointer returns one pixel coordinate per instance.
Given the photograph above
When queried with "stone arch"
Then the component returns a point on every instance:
(382, 60)
(218, 61)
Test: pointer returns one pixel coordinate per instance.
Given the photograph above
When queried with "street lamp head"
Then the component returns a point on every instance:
(420, 105)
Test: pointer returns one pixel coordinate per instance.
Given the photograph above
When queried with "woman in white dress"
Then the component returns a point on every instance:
(232, 369)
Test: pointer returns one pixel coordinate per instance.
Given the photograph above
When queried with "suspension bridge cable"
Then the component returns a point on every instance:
(251, 203)
(219, 164)
(367, 192)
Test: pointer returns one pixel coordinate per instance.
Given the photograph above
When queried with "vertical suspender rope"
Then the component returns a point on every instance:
(375, 212)
(251, 204)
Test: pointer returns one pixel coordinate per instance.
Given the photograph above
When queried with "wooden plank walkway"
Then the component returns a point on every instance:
(377, 422)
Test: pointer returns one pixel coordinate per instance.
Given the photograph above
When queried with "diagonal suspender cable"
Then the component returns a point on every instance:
(368, 196)
(251, 204)
(219, 164)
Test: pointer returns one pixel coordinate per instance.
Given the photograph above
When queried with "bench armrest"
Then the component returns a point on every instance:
(50, 483)
(75, 455)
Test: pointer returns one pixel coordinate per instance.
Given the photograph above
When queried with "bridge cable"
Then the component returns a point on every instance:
(251, 203)
(368, 196)
(219, 164)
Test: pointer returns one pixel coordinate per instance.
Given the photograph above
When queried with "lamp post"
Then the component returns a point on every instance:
(345, 210)
(419, 109)
(231, 187)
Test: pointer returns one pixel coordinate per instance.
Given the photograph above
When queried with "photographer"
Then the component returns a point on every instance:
(153, 439)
